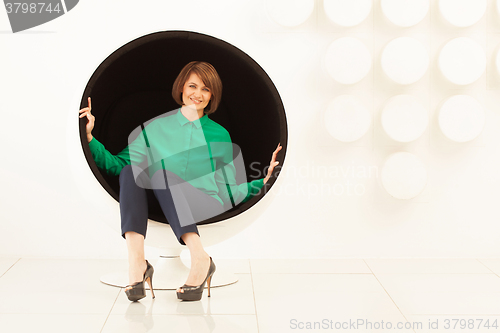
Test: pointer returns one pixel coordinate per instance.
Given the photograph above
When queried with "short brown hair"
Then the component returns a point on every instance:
(210, 78)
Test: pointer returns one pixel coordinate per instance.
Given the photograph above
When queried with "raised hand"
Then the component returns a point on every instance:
(273, 163)
(91, 119)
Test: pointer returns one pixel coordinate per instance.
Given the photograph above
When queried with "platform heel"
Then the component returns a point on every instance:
(138, 290)
(194, 293)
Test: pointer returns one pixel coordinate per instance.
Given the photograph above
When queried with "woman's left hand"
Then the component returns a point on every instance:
(273, 163)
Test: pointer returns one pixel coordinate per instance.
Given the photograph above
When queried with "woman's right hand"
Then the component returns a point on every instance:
(91, 119)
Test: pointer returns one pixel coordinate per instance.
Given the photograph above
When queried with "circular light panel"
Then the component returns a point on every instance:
(348, 60)
(405, 13)
(290, 13)
(461, 118)
(405, 60)
(347, 13)
(404, 118)
(462, 13)
(403, 175)
(462, 60)
(347, 119)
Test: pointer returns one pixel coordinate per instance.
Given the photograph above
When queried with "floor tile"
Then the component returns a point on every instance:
(492, 264)
(450, 303)
(426, 266)
(237, 266)
(422, 283)
(339, 283)
(6, 264)
(308, 266)
(53, 323)
(181, 323)
(235, 299)
(57, 286)
(54, 301)
(282, 298)
(59, 274)
(444, 293)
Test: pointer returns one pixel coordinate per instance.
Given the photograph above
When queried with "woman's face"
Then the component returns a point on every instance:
(195, 92)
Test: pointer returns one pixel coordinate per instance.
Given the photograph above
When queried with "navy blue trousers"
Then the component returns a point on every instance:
(182, 203)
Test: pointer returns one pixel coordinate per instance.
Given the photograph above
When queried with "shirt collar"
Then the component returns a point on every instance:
(198, 122)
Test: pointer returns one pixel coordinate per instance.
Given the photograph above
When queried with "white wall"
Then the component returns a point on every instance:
(46, 211)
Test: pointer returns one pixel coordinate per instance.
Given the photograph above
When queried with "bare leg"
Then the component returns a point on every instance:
(200, 260)
(136, 260)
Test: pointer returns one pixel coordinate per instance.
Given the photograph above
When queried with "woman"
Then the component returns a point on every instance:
(190, 171)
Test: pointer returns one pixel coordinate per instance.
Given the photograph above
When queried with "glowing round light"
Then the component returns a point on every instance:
(347, 119)
(403, 175)
(405, 13)
(290, 13)
(347, 13)
(462, 60)
(405, 60)
(461, 118)
(404, 118)
(347, 60)
(462, 13)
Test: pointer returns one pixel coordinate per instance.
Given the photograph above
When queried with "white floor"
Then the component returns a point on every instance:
(451, 295)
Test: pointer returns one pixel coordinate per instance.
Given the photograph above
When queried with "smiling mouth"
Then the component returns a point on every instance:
(195, 101)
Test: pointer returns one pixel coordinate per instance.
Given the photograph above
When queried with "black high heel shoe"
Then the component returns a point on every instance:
(138, 290)
(194, 293)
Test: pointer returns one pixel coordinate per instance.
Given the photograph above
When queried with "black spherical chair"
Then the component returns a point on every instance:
(134, 84)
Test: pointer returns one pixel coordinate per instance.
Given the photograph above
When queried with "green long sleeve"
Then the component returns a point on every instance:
(200, 152)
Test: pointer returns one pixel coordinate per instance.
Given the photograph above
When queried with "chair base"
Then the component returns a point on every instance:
(170, 273)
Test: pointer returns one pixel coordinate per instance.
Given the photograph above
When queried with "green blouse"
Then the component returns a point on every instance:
(199, 151)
